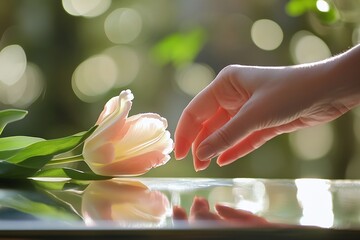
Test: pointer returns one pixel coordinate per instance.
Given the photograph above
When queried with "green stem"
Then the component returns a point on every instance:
(71, 159)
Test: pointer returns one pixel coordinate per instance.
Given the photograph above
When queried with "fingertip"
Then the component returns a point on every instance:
(223, 161)
(200, 203)
(179, 156)
(198, 169)
(181, 149)
(201, 165)
(179, 213)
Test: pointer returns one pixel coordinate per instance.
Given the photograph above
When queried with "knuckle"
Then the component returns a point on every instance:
(224, 139)
(191, 116)
(229, 70)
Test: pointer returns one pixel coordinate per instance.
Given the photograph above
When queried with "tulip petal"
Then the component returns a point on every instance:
(104, 154)
(113, 117)
(123, 145)
(146, 132)
(136, 165)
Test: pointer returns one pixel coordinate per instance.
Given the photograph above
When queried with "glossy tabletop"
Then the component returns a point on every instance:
(192, 208)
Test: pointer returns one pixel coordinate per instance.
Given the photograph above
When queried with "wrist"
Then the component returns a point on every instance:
(343, 77)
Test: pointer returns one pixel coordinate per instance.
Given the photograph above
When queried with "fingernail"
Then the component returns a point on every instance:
(177, 156)
(200, 168)
(205, 153)
(222, 163)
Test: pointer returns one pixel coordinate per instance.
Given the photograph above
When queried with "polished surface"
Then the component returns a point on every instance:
(168, 205)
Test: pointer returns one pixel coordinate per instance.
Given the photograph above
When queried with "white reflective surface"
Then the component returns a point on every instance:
(148, 203)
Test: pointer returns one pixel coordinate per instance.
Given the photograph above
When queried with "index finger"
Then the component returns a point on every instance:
(201, 108)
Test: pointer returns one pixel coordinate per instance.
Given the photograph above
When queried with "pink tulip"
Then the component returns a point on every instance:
(123, 145)
(123, 202)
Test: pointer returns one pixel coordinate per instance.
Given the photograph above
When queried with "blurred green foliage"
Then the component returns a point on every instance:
(179, 48)
(296, 8)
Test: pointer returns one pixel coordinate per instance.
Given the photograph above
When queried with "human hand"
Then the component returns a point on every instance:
(224, 216)
(245, 106)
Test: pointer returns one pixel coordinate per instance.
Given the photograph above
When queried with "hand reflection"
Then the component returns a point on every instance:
(225, 216)
(123, 202)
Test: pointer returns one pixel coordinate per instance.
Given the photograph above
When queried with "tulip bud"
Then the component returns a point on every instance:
(124, 146)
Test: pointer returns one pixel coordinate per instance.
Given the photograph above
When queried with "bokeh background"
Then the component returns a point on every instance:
(62, 60)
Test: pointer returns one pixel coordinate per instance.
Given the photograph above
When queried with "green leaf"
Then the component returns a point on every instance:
(50, 185)
(68, 199)
(69, 173)
(38, 154)
(23, 204)
(45, 183)
(13, 171)
(26, 162)
(179, 48)
(11, 145)
(10, 115)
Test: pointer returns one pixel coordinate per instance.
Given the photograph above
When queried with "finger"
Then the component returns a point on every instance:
(199, 204)
(229, 134)
(246, 146)
(201, 108)
(219, 119)
(240, 216)
(199, 165)
(244, 218)
(202, 215)
(255, 140)
(179, 213)
(200, 210)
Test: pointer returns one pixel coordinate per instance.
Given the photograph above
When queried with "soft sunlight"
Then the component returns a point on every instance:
(315, 200)
(312, 143)
(322, 6)
(123, 25)
(86, 8)
(266, 34)
(94, 77)
(305, 47)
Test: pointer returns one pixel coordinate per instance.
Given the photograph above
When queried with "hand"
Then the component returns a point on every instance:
(224, 216)
(245, 106)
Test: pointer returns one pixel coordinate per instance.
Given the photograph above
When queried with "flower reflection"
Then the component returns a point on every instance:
(123, 202)
(316, 201)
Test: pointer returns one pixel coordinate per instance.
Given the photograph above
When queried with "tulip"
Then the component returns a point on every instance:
(124, 146)
(123, 202)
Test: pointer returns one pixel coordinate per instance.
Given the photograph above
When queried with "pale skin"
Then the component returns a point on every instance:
(246, 106)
